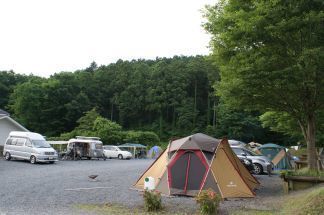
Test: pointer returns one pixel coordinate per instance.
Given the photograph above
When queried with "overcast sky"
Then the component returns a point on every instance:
(47, 36)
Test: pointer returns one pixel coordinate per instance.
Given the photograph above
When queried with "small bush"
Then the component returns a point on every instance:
(152, 200)
(143, 137)
(302, 172)
(208, 202)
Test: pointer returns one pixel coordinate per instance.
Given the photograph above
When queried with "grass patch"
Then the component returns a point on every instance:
(306, 203)
(105, 209)
(310, 201)
(117, 209)
(253, 212)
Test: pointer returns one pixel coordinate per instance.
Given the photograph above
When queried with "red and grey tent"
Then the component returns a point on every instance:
(199, 162)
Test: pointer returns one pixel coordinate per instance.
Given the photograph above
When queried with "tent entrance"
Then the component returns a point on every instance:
(187, 172)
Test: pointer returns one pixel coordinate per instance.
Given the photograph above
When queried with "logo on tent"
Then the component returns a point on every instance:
(231, 184)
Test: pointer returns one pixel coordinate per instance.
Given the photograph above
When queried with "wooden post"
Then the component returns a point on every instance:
(285, 187)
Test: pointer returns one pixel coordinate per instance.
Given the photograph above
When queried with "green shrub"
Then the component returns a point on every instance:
(302, 172)
(148, 138)
(208, 202)
(298, 152)
(152, 200)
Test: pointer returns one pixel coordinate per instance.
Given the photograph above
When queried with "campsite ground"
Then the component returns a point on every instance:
(64, 188)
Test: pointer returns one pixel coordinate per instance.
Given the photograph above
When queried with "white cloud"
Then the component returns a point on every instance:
(43, 37)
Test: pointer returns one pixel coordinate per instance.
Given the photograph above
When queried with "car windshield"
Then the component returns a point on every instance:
(40, 144)
(251, 153)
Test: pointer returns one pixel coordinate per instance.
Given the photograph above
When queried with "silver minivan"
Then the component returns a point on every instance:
(28, 146)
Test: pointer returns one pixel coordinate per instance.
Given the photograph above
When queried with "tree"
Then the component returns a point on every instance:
(271, 58)
(93, 66)
(284, 123)
(244, 125)
(147, 138)
(86, 122)
(110, 132)
(8, 80)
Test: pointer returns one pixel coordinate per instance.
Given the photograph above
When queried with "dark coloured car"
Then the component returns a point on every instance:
(261, 163)
(247, 163)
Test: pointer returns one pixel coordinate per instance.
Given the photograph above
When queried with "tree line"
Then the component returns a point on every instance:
(172, 97)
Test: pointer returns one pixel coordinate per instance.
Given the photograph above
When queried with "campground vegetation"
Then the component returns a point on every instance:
(172, 97)
(263, 82)
(308, 201)
(270, 55)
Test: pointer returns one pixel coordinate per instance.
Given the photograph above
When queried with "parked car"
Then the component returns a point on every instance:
(85, 147)
(247, 163)
(115, 152)
(237, 143)
(261, 164)
(28, 146)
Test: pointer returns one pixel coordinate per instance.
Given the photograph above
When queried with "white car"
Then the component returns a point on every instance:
(115, 152)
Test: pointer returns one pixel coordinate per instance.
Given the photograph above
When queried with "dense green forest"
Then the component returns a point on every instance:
(171, 97)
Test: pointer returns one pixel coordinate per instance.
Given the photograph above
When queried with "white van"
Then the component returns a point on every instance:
(28, 146)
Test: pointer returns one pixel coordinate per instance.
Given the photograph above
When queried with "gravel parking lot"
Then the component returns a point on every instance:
(59, 188)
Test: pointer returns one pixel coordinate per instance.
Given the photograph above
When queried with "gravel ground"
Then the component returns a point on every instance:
(54, 188)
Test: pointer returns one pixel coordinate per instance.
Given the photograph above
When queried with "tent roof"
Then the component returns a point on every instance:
(270, 145)
(132, 145)
(195, 141)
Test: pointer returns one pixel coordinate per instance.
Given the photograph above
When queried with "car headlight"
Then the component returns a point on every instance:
(247, 162)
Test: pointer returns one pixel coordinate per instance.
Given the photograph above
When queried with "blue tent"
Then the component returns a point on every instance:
(277, 154)
(154, 152)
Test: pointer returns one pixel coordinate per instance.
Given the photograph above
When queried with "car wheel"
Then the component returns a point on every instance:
(7, 156)
(257, 169)
(32, 159)
(51, 162)
(89, 158)
(120, 156)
